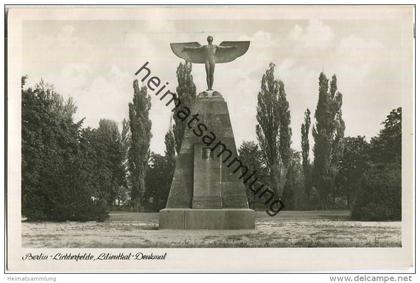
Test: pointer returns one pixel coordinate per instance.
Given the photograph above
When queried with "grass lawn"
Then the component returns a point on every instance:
(286, 229)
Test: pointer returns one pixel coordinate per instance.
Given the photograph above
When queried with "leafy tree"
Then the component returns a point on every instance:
(89, 164)
(138, 154)
(273, 131)
(306, 163)
(353, 165)
(328, 133)
(252, 157)
(186, 92)
(55, 183)
(386, 147)
(379, 194)
(103, 162)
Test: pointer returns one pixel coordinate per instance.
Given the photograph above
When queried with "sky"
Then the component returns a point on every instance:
(94, 61)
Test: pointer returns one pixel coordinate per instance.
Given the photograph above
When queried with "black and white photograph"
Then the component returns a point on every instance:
(147, 133)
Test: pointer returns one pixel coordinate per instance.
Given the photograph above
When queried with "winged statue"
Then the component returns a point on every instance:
(210, 54)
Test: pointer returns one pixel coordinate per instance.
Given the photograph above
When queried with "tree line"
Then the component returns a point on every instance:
(71, 172)
(345, 173)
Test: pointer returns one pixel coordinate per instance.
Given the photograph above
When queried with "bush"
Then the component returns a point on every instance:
(83, 209)
(379, 196)
(92, 210)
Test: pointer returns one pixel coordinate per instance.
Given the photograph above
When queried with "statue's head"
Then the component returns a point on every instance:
(209, 39)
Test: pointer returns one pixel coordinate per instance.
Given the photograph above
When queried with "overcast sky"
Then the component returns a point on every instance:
(94, 62)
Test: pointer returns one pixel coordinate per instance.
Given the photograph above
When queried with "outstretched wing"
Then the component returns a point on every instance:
(193, 52)
(224, 55)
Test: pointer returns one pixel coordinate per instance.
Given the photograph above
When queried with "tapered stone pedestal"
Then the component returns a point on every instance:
(206, 193)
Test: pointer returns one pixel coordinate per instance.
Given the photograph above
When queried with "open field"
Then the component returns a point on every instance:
(287, 229)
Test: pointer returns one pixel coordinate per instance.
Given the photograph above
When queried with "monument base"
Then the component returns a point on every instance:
(216, 219)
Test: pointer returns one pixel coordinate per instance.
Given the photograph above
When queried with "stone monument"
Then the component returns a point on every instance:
(205, 193)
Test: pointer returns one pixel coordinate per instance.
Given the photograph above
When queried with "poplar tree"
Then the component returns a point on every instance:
(273, 129)
(328, 134)
(110, 165)
(170, 151)
(285, 130)
(186, 93)
(138, 154)
(125, 143)
(306, 163)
